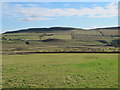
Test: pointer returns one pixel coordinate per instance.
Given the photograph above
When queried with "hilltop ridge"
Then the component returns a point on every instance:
(39, 30)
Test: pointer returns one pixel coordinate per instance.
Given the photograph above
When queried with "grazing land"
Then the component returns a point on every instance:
(60, 70)
(58, 39)
(23, 69)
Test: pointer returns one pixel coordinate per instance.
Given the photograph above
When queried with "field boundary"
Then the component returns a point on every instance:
(22, 53)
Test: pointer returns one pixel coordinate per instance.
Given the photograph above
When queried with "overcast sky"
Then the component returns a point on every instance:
(22, 15)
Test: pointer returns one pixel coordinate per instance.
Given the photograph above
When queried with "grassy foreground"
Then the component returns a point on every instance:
(60, 70)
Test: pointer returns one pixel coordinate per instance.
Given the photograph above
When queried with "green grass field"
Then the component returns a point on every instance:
(60, 70)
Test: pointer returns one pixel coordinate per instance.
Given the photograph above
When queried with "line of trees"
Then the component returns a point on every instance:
(44, 34)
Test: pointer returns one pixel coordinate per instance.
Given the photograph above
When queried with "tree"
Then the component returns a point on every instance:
(41, 36)
(27, 42)
(101, 33)
(115, 43)
(3, 38)
(44, 34)
(72, 35)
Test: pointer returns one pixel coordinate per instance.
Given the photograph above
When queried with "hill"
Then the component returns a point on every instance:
(59, 39)
(107, 28)
(41, 30)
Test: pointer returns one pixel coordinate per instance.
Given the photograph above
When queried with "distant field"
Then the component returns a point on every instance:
(60, 70)
(110, 32)
(61, 41)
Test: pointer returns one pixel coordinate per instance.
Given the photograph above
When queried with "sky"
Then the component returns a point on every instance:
(22, 15)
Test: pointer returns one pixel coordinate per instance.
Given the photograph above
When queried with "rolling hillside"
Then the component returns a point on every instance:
(60, 39)
(41, 30)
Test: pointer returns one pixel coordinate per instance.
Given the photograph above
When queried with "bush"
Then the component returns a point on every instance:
(3, 38)
(115, 43)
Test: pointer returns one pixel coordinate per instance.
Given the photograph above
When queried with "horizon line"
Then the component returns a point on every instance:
(61, 26)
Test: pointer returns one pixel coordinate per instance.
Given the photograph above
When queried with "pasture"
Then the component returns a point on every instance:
(60, 70)
(60, 41)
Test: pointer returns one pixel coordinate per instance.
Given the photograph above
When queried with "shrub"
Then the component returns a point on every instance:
(115, 43)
